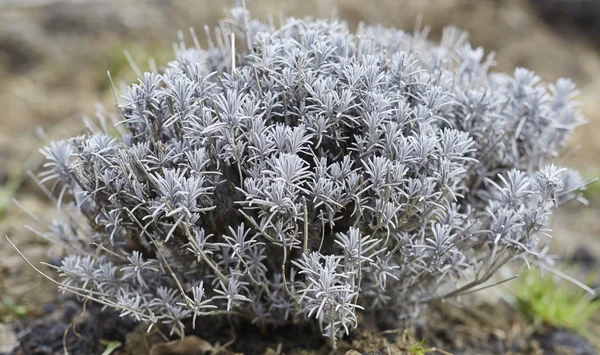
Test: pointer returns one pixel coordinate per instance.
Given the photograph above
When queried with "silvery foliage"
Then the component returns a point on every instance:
(310, 174)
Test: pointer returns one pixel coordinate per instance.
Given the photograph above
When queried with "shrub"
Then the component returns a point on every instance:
(304, 173)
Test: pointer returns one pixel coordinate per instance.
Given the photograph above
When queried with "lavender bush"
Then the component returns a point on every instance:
(305, 173)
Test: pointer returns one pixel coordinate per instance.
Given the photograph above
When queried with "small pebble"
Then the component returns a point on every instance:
(8, 339)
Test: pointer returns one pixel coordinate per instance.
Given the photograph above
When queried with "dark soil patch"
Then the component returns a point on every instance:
(66, 325)
(583, 15)
(80, 20)
(483, 329)
(16, 55)
(584, 257)
(564, 342)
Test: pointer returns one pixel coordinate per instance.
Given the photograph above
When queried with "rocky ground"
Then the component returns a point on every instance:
(53, 61)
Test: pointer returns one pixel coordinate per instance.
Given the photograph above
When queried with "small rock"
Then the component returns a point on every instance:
(8, 339)
(446, 335)
(557, 341)
(584, 257)
(190, 345)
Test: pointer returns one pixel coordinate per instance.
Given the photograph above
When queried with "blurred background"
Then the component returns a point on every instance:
(54, 56)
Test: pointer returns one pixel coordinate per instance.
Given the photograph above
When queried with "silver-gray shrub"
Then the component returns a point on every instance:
(309, 174)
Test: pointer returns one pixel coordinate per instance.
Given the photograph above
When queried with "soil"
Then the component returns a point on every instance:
(560, 342)
(53, 58)
(67, 325)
